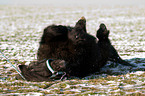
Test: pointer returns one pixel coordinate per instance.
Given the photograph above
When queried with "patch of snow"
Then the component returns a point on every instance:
(75, 90)
(138, 72)
(111, 82)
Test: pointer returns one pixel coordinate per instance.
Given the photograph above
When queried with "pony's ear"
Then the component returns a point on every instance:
(102, 32)
(81, 24)
(103, 27)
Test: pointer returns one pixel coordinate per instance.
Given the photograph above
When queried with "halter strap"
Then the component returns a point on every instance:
(49, 67)
(54, 73)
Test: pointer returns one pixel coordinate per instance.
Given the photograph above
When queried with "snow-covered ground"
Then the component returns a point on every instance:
(21, 28)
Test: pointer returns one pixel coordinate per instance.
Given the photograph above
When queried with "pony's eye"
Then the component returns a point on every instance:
(77, 36)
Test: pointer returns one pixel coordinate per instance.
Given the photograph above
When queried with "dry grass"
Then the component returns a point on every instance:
(21, 29)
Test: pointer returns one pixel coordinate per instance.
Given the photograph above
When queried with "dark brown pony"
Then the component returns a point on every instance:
(71, 50)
